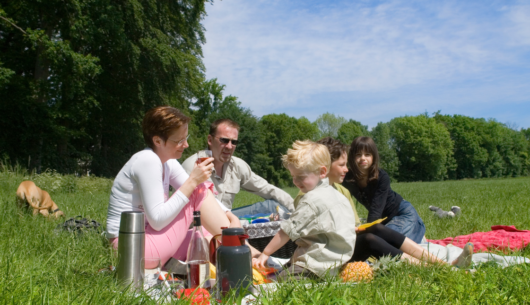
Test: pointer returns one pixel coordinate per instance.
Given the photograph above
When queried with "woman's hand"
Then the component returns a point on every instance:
(202, 171)
(261, 261)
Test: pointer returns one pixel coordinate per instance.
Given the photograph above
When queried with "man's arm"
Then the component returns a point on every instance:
(257, 185)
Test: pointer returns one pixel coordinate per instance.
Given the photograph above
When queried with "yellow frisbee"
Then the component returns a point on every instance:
(367, 225)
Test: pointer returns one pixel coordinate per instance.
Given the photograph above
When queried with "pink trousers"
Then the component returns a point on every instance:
(173, 240)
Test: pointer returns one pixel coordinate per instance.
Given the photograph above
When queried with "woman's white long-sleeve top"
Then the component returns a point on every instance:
(143, 185)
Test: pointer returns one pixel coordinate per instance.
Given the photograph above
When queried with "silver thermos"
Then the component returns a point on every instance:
(131, 249)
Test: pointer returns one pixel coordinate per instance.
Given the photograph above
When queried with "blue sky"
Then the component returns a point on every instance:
(372, 61)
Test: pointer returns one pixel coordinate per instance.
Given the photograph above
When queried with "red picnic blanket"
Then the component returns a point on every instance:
(500, 238)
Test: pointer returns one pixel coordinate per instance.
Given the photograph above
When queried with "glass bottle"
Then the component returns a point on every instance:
(198, 262)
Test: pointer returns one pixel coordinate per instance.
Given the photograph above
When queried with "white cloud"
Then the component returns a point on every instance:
(519, 15)
(277, 56)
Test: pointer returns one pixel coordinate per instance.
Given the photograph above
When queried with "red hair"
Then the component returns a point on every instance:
(161, 121)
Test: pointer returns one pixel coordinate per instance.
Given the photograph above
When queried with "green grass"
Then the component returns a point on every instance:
(484, 203)
(40, 266)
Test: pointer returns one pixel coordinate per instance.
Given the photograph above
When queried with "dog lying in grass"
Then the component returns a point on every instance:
(32, 196)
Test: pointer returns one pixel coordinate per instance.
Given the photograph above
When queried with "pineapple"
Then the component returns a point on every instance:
(356, 272)
(383, 263)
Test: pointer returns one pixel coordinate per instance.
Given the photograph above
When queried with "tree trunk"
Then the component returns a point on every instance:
(42, 72)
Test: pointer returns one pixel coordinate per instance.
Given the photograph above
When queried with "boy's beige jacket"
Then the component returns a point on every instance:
(323, 227)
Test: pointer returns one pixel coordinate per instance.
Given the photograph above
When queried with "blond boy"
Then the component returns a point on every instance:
(321, 224)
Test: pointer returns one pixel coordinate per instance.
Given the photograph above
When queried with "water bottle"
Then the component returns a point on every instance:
(233, 262)
(131, 249)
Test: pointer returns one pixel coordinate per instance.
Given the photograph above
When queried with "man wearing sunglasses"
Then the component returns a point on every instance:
(232, 173)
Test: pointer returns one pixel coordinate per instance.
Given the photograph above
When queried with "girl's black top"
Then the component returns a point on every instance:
(378, 198)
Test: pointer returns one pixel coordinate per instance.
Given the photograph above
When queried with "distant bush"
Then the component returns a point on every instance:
(92, 184)
(52, 181)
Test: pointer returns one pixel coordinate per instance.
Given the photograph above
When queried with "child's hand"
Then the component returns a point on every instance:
(261, 261)
(253, 251)
(357, 230)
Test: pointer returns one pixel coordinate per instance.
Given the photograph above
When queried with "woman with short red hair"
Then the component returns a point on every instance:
(143, 185)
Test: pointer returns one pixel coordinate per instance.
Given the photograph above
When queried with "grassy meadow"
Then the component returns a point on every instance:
(40, 266)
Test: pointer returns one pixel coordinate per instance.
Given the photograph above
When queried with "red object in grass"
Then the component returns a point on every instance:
(198, 296)
(266, 271)
(504, 238)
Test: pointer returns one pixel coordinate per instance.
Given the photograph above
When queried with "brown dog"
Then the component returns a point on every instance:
(37, 199)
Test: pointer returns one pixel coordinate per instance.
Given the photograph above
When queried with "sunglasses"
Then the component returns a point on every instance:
(227, 140)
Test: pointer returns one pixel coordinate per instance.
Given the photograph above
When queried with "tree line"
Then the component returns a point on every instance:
(77, 76)
(412, 148)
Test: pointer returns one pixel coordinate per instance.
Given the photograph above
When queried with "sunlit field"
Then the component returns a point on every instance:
(40, 266)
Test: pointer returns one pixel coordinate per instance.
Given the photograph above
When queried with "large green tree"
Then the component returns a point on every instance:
(351, 130)
(386, 146)
(329, 124)
(280, 131)
(78, 75)
(424, 148)
(45, 83)
(485, 148)
(526, 134)
(507, 150)
(469, 145)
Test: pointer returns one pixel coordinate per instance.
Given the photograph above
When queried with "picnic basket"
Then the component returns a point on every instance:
(260, 234)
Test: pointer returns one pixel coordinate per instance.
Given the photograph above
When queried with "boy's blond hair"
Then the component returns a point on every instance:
(307, 156)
